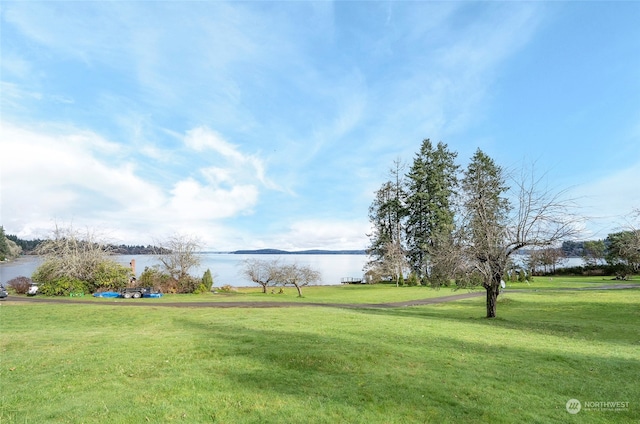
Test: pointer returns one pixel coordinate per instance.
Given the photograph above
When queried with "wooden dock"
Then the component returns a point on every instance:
(352, 280)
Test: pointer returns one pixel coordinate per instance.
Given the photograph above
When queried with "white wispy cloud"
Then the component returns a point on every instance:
(202, 138)
(332, 232)
(155, 117)
(608, 201)
(70, 174)
(14, 96)
(318, 233)
(240, 166)
(191, 200)
(59, 170)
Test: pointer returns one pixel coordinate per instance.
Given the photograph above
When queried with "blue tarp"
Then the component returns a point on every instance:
(116, 294)
(107, 294)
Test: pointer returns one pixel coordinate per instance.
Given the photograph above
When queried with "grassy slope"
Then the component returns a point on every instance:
(439, 363)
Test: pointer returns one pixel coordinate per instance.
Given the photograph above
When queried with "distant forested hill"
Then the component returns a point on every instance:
(29, 247)
(298, 252)
(124, 249)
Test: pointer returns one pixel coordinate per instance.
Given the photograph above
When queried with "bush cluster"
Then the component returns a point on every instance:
(228, 289)
(165, 283)
(606, 269)
(63, 286)
(413, 280)
(20, 284)
(104, 275)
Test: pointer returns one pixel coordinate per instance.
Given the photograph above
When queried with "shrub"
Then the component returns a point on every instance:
(413, 280)
(188, 284)
(110, 275)
(162, 281)
(522, 276)
(45, 272)
(103, 275)
(153, 277)
(20, 284)
(228, 289)
(62, 286)
(207, 279)
(201, 289)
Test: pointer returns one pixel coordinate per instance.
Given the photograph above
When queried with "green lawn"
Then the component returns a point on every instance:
(379, 293)
(437, 363)
(370, 294)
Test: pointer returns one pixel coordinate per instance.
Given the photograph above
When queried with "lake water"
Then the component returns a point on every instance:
(225, 268)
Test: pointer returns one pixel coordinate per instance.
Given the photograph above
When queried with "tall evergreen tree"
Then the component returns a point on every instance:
(387, 214)
(4, 246)
(431, 188)
(380, 220)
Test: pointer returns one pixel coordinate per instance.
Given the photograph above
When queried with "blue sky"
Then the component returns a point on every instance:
(271, 124)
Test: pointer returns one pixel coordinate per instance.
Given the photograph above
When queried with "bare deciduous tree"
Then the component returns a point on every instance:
(499, 226)
(448, 261)
(77, 261)
(632, 247)
(178, 254)
(394, 262)
(391, 265)
(297, 276)
(261, 272)
(547, 258)
(72, 253)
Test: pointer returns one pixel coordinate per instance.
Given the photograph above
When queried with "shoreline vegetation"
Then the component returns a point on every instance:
(296, 252)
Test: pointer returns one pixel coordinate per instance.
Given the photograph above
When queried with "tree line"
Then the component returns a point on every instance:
(440, 224)
(9, 249)
(618, 254)
(600, 257)
(30, 247)
(79, 262)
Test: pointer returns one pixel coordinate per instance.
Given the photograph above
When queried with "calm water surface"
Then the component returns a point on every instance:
(225, 268)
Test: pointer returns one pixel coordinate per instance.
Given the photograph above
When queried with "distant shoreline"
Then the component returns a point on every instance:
(298, 252)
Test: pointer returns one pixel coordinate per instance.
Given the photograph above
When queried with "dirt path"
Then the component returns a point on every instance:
(429, 301)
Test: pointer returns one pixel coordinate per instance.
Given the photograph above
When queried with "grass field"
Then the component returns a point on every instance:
(370, 294)
(437, 363)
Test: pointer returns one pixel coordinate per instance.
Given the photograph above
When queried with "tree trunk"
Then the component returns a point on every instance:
(299, 290)
(493, 290)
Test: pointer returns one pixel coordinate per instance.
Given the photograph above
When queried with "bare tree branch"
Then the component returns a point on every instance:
(178, 254)
(261, 272)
